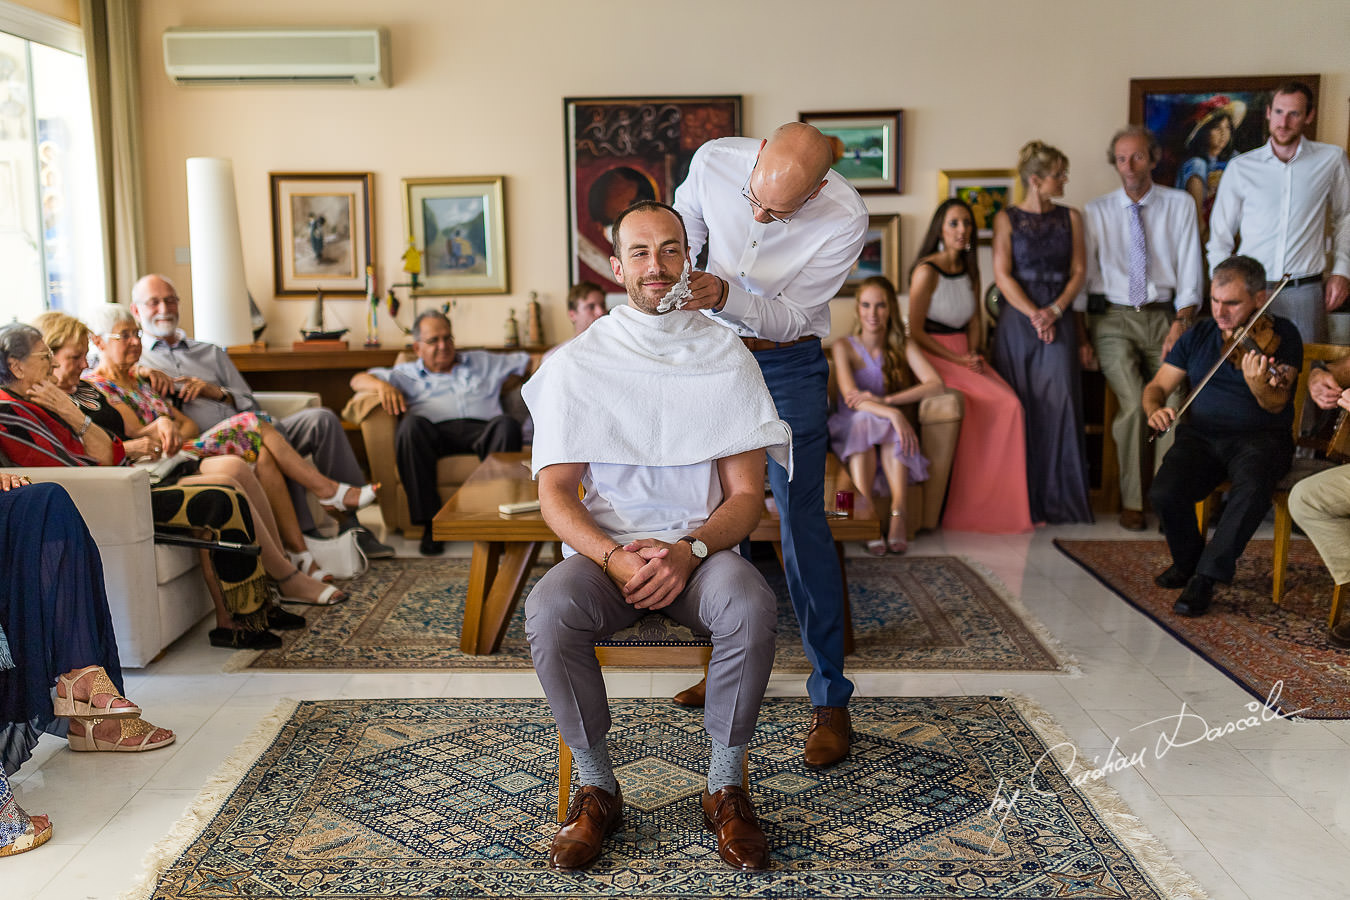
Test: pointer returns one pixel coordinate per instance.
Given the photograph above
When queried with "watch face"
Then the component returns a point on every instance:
(700, 549)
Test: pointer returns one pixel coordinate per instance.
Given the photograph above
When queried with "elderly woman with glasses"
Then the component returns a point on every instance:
(245, 435)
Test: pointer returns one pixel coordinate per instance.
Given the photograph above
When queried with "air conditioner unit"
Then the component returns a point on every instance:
(337, 56)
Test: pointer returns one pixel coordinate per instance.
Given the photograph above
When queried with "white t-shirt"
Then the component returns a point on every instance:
(662, 502)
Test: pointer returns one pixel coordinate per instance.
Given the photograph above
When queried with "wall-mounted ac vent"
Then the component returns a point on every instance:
(357, 57)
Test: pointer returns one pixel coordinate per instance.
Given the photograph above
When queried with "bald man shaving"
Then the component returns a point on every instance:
(782, 234)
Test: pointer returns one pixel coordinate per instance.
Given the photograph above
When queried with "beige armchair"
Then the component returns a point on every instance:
(377, 431)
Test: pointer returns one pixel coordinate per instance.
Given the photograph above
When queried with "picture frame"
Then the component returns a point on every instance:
(1191, 116)
(459, 225)
(622, 149)
(986, 191)
(871, 146)
(880, 254)
(323, 232)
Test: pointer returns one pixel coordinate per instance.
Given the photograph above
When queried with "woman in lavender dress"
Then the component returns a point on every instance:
(1039, 268)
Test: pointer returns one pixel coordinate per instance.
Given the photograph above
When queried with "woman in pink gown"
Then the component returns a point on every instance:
(988, 490)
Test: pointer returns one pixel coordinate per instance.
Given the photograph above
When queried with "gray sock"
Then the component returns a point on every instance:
(593, 766)
(725, 766)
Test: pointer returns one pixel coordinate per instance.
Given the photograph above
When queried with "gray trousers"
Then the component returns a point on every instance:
(1305, 306)
(317, 432)
(1129, 348)
(575, 604)
(1320, 504)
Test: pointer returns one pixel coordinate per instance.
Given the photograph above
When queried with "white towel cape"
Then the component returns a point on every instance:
(641, 390)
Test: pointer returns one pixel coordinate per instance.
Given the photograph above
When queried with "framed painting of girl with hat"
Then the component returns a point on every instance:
(1202, 123)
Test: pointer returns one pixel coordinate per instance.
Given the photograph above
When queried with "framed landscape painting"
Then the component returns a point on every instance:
(868, 146)
(1202, 123)
(459, 224)
(624, 149)
(322, 232)
(880, 254)
(986, 191)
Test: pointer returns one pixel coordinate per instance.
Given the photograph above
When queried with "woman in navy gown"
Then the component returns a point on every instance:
(1039, 268)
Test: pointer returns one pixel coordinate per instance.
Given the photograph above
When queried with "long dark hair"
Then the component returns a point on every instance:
(931, 240)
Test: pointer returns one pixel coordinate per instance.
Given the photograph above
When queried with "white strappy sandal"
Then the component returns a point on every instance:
(338, 502)
(329, 596)
(304, 562)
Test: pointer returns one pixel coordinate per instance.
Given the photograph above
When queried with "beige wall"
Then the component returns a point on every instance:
(478, 89)
(67, 10)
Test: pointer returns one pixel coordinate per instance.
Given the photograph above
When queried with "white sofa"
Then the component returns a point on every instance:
(155, 591)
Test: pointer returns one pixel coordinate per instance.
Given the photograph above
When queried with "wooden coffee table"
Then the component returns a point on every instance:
(506, 547)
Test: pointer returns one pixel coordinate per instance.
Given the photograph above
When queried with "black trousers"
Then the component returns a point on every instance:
(419, 443)
(1253, 461)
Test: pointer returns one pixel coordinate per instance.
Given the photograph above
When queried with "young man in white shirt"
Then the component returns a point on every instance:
(1282, 199)
(1144, 261)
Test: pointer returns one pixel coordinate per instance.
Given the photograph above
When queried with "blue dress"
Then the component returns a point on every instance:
(853, 432)
(53, 610)
(1046, 377)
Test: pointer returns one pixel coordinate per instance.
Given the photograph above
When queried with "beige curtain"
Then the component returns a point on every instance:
(109, 28)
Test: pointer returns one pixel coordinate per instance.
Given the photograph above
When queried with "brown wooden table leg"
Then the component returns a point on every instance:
(482, 572)
(504, 593)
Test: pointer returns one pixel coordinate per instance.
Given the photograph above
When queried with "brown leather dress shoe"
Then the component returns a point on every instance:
(1132, 520)
(730, 815)
(693, 696)
(828, 740)
(592, 816)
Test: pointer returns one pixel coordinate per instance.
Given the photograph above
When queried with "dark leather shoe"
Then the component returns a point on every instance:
(1132, 520)
(1194, 600)
(1340, 636)
(1172, 579)
(429, 546)
(693, 696)
(828, 740)
(242, 639)
(730, 815)
(282, 620)
(592, 816)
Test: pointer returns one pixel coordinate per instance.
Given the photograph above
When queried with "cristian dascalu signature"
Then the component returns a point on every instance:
(1185, 728)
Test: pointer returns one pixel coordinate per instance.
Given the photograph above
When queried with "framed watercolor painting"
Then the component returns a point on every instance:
(1202, 123)
(459, 224)
(986, 191)
(869, 144)
(322, 232)
(880, 253)
(624, 149)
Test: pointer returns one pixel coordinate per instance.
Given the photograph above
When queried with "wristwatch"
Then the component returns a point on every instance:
(700, 549)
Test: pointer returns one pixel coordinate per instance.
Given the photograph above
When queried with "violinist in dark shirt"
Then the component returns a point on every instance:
(1239, 429)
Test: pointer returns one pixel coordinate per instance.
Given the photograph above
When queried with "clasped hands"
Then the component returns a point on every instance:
(650, 575)
(909, 441)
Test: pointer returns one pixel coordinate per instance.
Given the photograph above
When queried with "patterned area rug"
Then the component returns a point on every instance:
(913, 613)
(454, 798)
(1250, 639)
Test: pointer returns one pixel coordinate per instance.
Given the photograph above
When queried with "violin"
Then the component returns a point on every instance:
(1259, 335)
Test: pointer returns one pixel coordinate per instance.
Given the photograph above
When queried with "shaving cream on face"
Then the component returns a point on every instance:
(677, 296)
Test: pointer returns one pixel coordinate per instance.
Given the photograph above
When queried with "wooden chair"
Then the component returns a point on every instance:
(653, 642)
(1301, 469)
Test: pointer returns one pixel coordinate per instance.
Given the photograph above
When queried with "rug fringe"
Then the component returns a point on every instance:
(1174, 881)
(209, 799)
(1068, 662)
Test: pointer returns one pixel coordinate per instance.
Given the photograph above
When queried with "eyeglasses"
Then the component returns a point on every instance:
(123, 336)
(772, 214)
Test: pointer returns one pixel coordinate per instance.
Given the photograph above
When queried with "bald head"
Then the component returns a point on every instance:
(791, 169)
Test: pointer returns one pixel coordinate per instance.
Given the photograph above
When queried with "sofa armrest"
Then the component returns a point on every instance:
(377, 431)
(280, 404)
(114, 501)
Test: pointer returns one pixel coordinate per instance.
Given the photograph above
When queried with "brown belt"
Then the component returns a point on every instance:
(758, 344)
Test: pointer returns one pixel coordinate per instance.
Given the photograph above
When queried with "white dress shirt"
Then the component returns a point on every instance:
(780, 276)
(1172, 239)
(1280, 209)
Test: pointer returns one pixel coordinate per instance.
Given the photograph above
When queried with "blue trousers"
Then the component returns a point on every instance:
(798, 378)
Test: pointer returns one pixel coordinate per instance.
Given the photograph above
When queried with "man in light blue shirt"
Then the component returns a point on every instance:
(451, 403)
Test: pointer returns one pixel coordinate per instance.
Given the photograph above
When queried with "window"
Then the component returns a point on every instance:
(51, 243)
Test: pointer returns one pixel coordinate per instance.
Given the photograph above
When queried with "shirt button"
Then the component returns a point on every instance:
(742, 274)
(754, 243)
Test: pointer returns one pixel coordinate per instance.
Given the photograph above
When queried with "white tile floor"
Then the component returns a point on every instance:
(1264, 814)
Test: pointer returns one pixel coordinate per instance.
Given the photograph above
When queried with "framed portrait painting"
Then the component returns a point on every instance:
(459, 224)
(322, 232)
(1202, 123)
(880, 254)
(986, 191)
(868, 146)
(624, 149)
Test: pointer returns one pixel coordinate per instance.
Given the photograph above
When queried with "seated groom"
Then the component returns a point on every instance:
(662, 421)
(212, 389)
(453, 405)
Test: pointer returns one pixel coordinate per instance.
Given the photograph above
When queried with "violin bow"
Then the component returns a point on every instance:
(1237, 339)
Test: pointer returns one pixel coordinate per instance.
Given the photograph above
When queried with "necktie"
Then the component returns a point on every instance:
(1138, 260)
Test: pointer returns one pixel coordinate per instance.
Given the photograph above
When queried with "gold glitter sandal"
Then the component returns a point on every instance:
(70, 707)
(134, 738)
